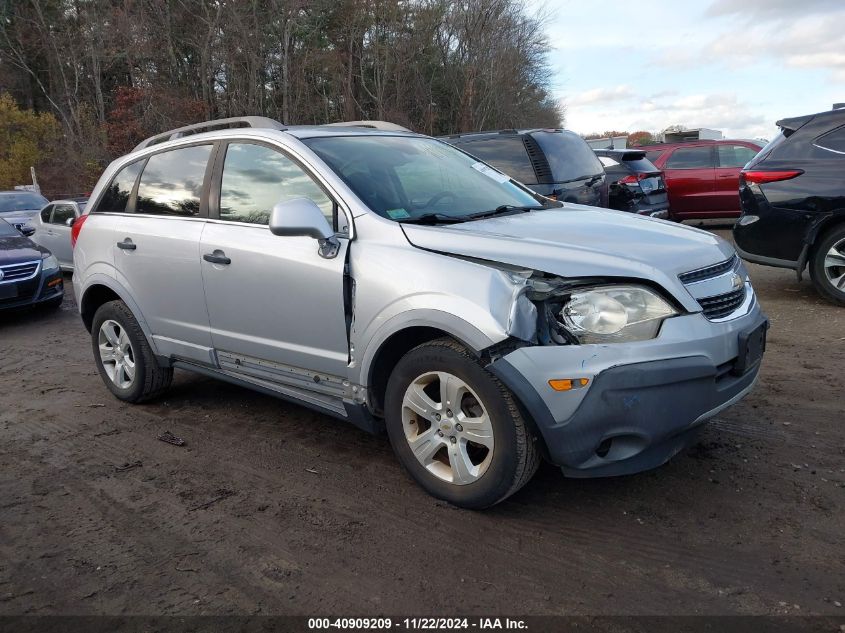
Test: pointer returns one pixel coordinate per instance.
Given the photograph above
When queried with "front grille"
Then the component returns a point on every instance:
(19, 272)
(708, 272)
(722, 305)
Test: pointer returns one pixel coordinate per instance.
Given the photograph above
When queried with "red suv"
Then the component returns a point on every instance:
(702, 177)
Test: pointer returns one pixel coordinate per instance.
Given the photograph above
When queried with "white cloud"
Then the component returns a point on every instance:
(725, 112)
(601, 95)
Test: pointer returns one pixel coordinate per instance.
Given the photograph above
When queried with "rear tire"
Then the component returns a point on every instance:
(827, 266)
(471, 448)
(124, 359)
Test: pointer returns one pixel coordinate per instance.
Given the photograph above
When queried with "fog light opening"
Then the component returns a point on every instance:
(604, 448)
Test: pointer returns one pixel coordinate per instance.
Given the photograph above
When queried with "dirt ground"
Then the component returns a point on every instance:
(273, 509)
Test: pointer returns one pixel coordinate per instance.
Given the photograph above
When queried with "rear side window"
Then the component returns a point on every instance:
(505, 153)
(691, 158)
(172, 182)
(833, 141)
(256, 177)
(119, 190)
(569, 155)
(734, 155)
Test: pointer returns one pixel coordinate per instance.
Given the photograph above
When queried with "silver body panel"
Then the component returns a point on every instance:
(276, 317)
(56, 237)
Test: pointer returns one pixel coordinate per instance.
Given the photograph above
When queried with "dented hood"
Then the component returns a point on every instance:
(579, 241)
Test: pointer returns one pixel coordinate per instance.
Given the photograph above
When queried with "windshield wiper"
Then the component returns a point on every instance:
(505, 209)
(434, 218)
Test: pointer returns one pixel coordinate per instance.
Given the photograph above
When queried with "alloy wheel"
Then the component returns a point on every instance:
(834, 265)
(447, 427)
(116, 354)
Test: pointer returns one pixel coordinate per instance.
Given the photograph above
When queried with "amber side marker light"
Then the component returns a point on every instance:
(55, 282)
(567, 384)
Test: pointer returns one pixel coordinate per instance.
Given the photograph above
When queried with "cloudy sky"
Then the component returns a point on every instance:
(733, 65)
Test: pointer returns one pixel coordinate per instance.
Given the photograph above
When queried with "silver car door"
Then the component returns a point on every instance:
(157, 254)
(276, 299)
(59, 232)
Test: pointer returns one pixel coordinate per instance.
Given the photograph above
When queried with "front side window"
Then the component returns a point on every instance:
(691, 158)
(172, 182)
(62, 213)
(256, 177)
(45, 213)
(117, 194)
(734, 155)
(406, 178)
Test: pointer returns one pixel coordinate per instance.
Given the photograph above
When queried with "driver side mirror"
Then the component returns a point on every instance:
(70, 221)
(302, 216)
(27, 231)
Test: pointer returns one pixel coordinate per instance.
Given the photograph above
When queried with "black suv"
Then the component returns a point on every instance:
(793, 202)
(555, 163)
(635, 184)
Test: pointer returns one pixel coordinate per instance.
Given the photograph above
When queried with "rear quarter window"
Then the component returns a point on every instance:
(833, 141)
(117, 194)
(505, 153)
(568, 155)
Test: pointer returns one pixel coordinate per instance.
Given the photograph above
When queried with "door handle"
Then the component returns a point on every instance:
(126, 245)
(217, 257)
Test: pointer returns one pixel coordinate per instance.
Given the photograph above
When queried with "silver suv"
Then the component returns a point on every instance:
(391, 280)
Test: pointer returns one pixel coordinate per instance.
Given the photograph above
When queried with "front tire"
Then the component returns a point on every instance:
(455, 428)
(124, 359)
(827, 267)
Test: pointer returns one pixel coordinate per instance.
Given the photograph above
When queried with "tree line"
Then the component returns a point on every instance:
(113, 72)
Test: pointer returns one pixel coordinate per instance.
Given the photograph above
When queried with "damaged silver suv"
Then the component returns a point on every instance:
(391, 280)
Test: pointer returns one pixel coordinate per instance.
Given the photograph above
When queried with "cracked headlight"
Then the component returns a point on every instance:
(49, 263)
(614, 314)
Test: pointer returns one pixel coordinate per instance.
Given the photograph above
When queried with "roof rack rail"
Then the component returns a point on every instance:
(375, 125)
(208, 126)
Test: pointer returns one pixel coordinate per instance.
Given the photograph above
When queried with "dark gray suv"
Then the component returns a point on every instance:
(555, 163)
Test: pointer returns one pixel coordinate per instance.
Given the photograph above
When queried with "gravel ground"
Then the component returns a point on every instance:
(273, 509)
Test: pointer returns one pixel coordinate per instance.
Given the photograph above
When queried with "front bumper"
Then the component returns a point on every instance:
(45, 287)
(644, 402)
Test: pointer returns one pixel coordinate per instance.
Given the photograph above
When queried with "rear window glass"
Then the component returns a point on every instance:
(691, 158)
(117, 195)
(654, 154)
(23, 201)
(172, 182)
(834, 141)
(641, 166)
(505, 153)
(568, 155)
(768, 149)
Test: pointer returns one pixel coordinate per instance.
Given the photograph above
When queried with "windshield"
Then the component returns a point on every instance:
(569, 155)
(405, 178)
(7, 230)
(22, 201)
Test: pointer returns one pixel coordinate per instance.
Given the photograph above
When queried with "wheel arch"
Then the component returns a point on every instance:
(394, 346)
(102, 289)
